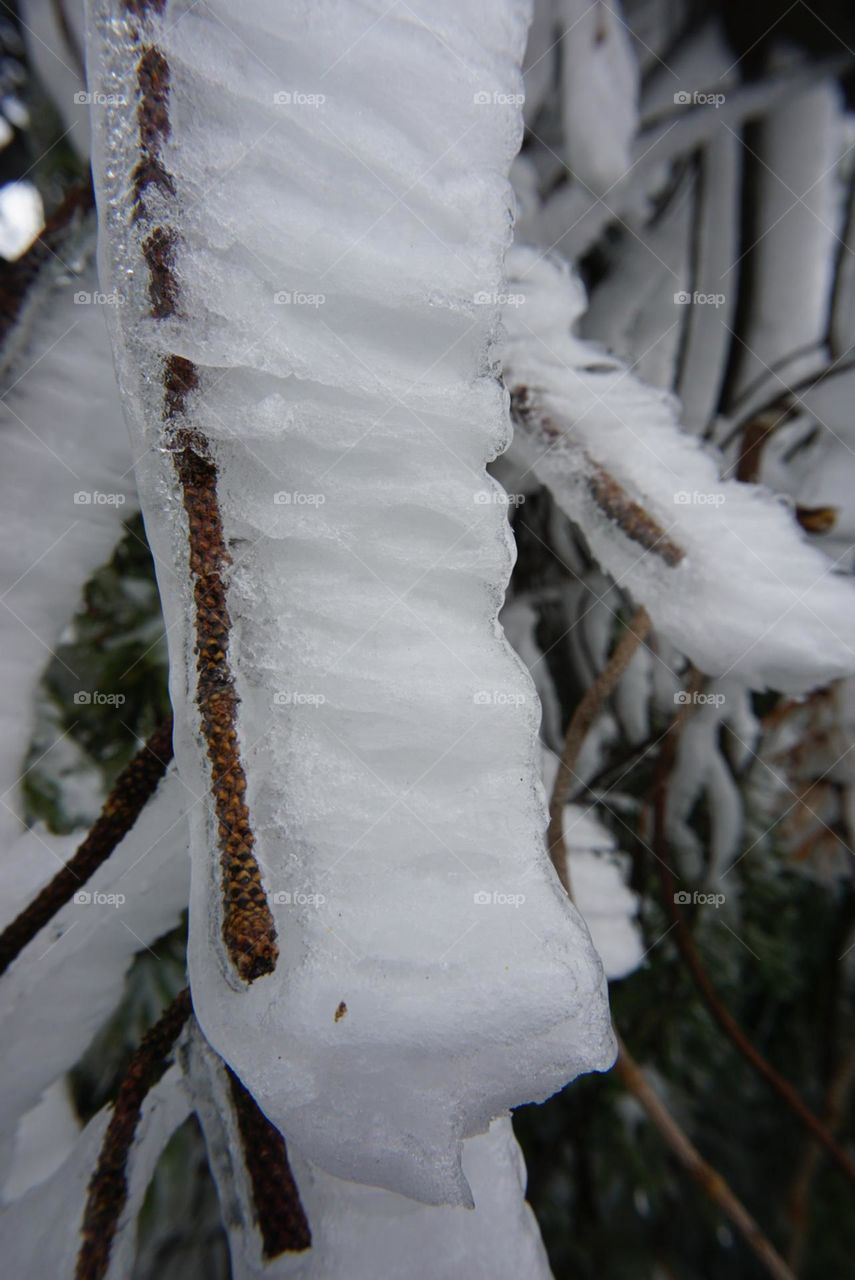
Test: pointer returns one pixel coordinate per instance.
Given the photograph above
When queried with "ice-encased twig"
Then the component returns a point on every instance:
(344, 389)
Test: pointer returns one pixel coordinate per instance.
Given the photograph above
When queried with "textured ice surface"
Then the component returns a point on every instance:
(721, 566)
(62, 437)
(341, 210)
(69, 979)
(359, 1232)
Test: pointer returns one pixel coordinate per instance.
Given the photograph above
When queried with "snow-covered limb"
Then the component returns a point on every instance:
(70, 977)
(40, 1231)
(311, 385)
(721, 566)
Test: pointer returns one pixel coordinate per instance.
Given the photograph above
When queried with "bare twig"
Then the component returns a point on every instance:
(582, 719)
(108, 1187)
(708, 1178)
(133, 788)
(280, 1215)
(703, 982)
(836, 1099)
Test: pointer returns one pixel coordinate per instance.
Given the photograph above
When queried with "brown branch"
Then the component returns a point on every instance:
(836, 1099)
(707, 1178)
(721, 1014)
(131, 791)
(583, 717)
(279, 1213)
(108, 1187)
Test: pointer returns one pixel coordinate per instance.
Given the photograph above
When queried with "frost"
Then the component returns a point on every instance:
(720, 565)
(599, 875)
(327, 366)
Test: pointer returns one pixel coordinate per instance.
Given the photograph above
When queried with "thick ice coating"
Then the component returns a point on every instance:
(308, 209)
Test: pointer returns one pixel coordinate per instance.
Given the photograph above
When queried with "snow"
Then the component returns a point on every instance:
(40, 1232)
(721, 566)
(62, 436)
(387, 732)
(69, 979)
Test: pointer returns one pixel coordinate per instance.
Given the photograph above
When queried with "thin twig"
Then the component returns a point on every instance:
(836, 1099)
(722, 1015)
(131, 791)
(708, 1178)
(279, 1212)
(108, 1187)
(583, 717)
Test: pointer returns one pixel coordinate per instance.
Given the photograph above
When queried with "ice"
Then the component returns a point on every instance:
(335, 280)
(360, 1232)
(721, 566)
(62, 437)
(65, 984)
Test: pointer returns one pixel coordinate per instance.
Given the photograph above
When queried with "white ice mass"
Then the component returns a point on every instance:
(312, 256)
